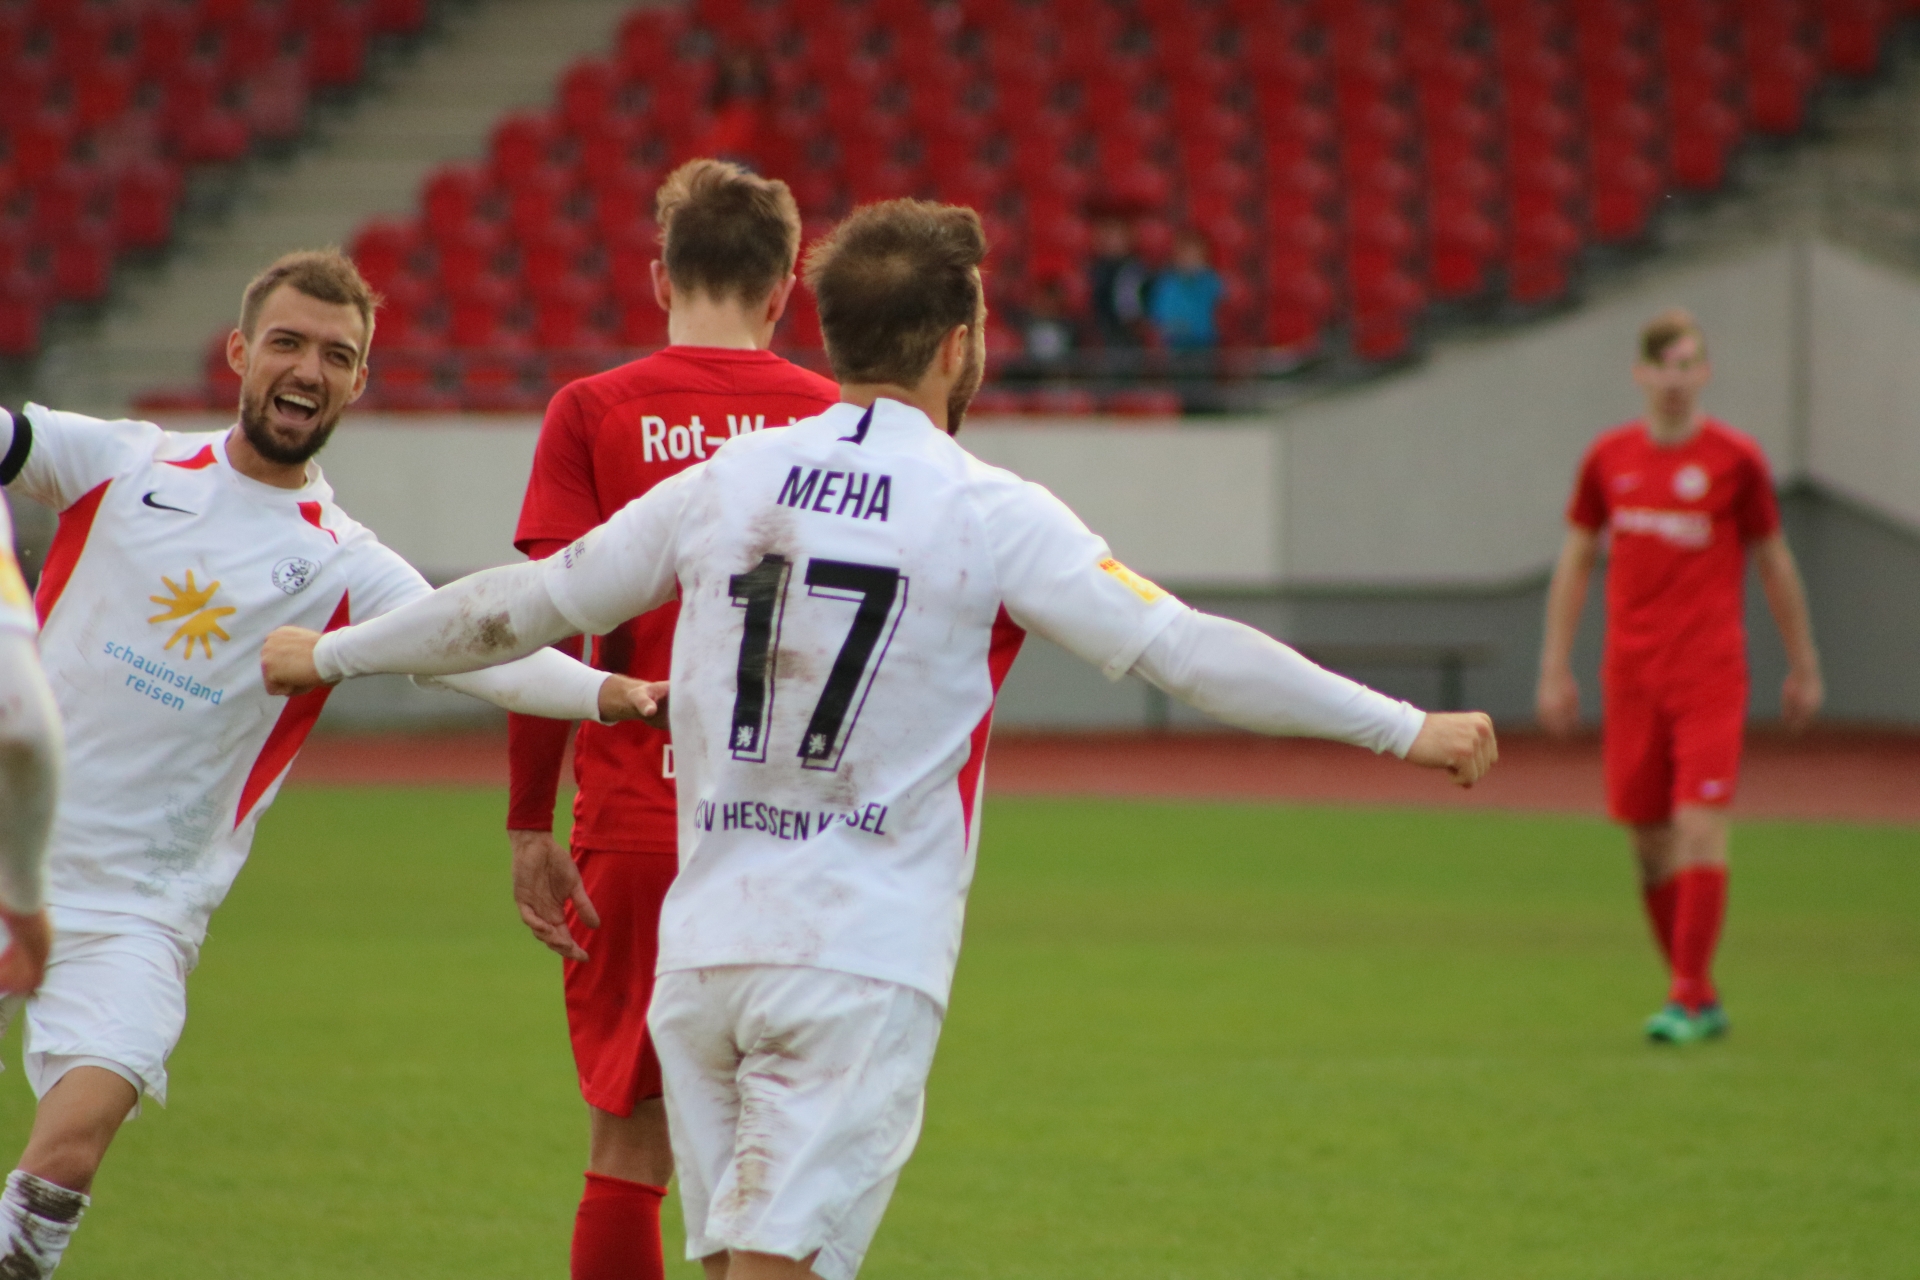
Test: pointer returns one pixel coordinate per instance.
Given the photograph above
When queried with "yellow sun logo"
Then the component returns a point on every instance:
(202, 623)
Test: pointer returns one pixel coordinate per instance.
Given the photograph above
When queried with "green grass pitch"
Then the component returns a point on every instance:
(1187, 1041)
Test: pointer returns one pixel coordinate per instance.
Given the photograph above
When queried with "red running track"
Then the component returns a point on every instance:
(1827, 774)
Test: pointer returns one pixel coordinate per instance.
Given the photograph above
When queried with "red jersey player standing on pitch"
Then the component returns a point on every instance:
(729, 243)
(1685, 498)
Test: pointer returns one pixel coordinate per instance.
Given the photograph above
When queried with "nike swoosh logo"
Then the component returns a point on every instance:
(147, 499)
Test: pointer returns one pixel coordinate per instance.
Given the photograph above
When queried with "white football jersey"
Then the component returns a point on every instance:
(167, 572)
(16, 606)
(853, 589)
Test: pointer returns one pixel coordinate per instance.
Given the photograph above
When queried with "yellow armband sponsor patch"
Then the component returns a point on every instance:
(1132, 581)
(13, 588)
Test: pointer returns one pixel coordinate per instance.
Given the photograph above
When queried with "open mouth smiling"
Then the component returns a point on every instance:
(297, 405)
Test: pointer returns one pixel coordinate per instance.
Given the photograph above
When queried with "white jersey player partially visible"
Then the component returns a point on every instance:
(175, 554)
(29, 779)
(852, 591)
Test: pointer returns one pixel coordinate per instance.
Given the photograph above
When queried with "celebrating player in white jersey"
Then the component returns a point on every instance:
(175, 553)
(29, 778)
(852, 591)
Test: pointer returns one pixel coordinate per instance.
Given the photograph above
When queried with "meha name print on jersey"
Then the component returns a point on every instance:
(840, 493)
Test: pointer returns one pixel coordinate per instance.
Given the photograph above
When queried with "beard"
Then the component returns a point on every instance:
(971, 374)
(259, 432)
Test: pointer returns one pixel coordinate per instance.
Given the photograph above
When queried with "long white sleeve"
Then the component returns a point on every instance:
(482, 620)
(1245, 678)
(30, 756)
(547, 683)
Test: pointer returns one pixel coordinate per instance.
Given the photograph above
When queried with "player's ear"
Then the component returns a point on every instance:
(237, 352)
(777, 300)
(359, 381)
(662, 284)
(953, 351)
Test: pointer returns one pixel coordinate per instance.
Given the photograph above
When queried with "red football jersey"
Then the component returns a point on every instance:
(605, 441)
(1680, 519)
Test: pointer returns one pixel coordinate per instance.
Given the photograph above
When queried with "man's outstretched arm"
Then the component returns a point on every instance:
(1246, 678)
(620, 570)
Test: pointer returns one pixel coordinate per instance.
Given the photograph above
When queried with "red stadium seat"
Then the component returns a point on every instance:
(73, 195)
(522, 143)
(274, 100)
(336, 45)
(538, 198)
(563, 314)
(146, 193)
(40, 144)
(649, 38)
(469, 254)
(588, 93)
(499, 379)
(453, 197)
(22, 305)
(102, 92)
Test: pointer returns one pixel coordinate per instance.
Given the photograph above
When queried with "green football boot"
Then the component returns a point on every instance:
(1711, 1022)
(1673, 1025)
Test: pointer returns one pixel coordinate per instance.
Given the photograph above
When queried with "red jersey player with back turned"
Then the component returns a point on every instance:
(729, 243)
(1685, 499)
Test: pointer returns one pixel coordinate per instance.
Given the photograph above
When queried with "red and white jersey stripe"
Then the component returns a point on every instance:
(853, 590)
(167, 571)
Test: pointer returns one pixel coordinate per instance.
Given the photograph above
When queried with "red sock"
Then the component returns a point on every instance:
(616, 1233)
(1660, 900)
(1700, 906)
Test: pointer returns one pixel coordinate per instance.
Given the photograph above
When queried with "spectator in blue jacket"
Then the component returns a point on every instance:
(1185, 295)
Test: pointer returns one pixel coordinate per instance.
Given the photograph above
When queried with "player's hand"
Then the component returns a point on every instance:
(286, 661)
(24, 963)
(1557, 702)
(624, 698)
(544, 881)
(1461, 742)
(1800, 697)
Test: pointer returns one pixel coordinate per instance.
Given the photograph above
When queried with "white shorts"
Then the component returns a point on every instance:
(115, 996)
(793, 1098)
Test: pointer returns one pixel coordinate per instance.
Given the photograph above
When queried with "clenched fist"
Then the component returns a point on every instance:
(286, 661)
(1461, 742)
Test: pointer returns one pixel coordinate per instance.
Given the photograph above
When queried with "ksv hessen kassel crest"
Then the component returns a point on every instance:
(294, 573)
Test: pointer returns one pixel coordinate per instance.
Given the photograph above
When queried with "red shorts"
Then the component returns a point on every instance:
(607, 997)
(1670, 745)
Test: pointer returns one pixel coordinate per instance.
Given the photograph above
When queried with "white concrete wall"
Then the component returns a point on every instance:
(1865, 392)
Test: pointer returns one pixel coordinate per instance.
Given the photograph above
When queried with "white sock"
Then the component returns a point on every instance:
(37, 1219)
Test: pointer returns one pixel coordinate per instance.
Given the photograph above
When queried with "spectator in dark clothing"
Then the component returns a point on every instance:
(1048, 333)
(1183, 298)
(1117, 285)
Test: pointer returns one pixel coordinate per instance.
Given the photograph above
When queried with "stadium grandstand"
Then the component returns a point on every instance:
(1354, 166)
(110, 106)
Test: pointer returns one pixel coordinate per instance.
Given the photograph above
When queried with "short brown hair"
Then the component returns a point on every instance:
(726, 231)
(1666, 329)
(326, 274)
(891, 282)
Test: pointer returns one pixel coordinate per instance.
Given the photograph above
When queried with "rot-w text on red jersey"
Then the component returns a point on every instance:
(1680, 519)
(606, 440)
